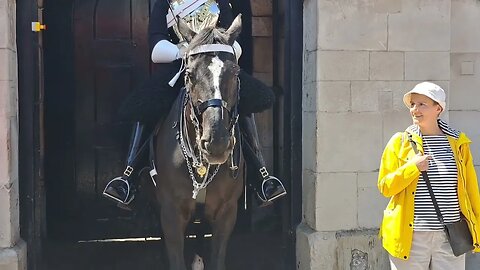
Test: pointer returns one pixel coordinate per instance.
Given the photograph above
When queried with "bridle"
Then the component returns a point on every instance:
(213, 102)
(193, 156)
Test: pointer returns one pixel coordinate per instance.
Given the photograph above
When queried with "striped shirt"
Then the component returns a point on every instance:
(442, 173)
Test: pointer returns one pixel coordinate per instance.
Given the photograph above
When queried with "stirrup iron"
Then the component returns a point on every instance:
(128, 199)
(264, 198)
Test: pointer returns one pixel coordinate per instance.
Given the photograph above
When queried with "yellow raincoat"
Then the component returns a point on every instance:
(398, 179)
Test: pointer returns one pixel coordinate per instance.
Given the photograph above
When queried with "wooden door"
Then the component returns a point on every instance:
(98, 54)
(110, 59)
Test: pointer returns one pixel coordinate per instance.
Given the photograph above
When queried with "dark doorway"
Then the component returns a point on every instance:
(95, 54)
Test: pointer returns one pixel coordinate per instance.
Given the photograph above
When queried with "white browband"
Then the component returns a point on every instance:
(212, 48)
(203, 49)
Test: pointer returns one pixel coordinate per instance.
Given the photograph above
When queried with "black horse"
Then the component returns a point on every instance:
(196, 145)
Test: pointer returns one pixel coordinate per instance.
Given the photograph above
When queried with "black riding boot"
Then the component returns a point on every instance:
(270, 187)
(121, 189)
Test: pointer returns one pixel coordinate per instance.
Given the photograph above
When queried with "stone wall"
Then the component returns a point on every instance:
(360, 57)
(12, 248)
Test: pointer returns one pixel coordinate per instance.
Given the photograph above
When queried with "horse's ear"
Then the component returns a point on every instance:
(234, 30)
(185, 30)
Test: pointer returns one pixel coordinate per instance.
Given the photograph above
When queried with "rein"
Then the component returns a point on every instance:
(191, 152)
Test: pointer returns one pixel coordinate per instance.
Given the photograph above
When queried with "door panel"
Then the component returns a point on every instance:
(110, 60)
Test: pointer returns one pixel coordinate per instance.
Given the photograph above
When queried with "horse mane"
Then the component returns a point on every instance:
(209, 35)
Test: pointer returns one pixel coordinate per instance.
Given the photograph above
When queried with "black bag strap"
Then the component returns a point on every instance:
(427, 181)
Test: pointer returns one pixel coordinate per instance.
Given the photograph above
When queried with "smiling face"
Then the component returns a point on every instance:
(423, 110)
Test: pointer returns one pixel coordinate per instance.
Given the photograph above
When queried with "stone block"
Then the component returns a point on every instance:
(342, 65)
(261, 7)
(387, 91)
(387, 6)
(262, 26)
(465, 36)
(310, 25)
(393, 122)
(359, 250)
(347, 25)
(368, 179)
(7, 25)
(462, 120)
(387, 65)
(309, 66)
(5, 93)
(347, 139)
(262, 54)
(14, 258)
(8, 65)
(365, 96)
(467, 68)
(420, 26)
(309, 97)
(8, 99)
(5, 150)
(333, 96)
(463, 88)
(398, 91)
(315, 250)
(309, 137)
(13, 148)
(385, 101)
(9, 214)
(309, 195)
(354, 250)
(427, 66)
(335, 191)
(370, 202)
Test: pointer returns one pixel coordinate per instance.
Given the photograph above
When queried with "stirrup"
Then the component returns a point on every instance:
(119, 181)
(263, 196)
(265, 201)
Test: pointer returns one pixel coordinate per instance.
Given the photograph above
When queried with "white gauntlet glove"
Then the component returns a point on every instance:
(165, 52)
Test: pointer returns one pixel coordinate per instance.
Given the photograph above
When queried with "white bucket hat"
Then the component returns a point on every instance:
(428, 89)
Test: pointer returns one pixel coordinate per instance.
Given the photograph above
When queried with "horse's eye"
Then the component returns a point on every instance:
(236, 70)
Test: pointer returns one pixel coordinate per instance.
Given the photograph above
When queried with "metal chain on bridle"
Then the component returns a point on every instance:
(192, 154)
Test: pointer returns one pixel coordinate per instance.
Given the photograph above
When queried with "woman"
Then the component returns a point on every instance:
(159, 92)
(411, 231)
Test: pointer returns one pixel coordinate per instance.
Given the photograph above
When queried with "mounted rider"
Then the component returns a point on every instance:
(156, 96)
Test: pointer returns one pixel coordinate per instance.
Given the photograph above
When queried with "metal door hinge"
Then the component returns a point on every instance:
(37, 27)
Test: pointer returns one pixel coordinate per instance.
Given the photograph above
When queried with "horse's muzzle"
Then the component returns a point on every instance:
(217, 152)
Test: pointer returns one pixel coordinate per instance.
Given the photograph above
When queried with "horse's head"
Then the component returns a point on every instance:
(211, 80)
